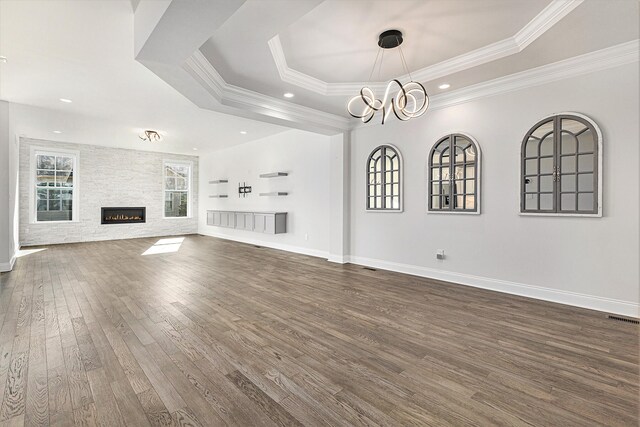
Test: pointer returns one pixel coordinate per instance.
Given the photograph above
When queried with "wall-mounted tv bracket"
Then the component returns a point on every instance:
(243, 189)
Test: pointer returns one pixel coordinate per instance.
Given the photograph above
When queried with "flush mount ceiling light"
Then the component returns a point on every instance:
(444, 86)
(3, 59)
(57, 131)
(66, 100)
(288, 95)
(150, 136)
(409, 102)
(243, 132)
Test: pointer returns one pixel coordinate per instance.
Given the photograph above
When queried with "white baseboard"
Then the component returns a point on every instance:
(266, 244)
(592, 302)
(338, 259)
(8, 266)
(609, 305)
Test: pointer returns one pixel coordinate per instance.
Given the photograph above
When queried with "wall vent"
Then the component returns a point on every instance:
(624, 319)
(369, 268)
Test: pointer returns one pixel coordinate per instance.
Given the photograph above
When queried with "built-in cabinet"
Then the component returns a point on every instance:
(260, 222)
(244, 221)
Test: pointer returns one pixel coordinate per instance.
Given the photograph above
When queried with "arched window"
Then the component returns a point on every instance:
(384, 173)
(454, 175)
(561, 160)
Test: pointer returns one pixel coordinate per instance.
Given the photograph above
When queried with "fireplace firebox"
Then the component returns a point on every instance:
(123, 215)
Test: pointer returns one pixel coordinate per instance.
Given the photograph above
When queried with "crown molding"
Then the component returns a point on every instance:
(290, 75)
(599, 60)
(542, 22)
(201, 69)
(547, 18)
(603, 59)
(234, 96)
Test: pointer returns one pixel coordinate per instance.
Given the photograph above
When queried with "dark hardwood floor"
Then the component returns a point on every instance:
(222, 333)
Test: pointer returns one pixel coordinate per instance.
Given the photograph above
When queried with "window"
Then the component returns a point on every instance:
(383, 179)
(55, 183)
(177, 189)
(454, 175)
(560, 169)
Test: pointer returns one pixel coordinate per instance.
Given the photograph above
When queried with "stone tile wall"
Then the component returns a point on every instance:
(107, 177)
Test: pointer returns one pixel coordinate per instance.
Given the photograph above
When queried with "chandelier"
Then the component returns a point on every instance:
(150, 136)
(410, 100)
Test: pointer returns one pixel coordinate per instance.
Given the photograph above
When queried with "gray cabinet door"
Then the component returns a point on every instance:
(270, 224)
(244, 221)
(216, 218)
(259, 223)
(210, 218)
(227, 219)
(248, 221)
(239, 219)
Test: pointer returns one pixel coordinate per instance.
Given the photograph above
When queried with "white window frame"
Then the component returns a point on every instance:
(189, 186)
(33, 153)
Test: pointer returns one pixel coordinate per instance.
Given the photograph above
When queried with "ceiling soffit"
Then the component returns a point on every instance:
(168, 35)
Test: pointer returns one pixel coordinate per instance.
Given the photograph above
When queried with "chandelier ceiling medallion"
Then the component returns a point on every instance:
(150, 136)
(410, 100)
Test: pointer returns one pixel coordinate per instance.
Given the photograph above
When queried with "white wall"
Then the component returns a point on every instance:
(591, 262)
(14, 197)
(6, 233)
(107, 177)
(339, 192)
(305, 156)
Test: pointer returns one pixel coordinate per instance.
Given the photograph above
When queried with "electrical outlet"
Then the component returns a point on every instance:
(440, 254)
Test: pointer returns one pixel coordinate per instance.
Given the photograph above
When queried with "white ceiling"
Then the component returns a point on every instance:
(177, 65)
(83, 51)
(335, 41)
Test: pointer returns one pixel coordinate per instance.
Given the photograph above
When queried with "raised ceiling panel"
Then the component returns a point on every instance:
(337, 41)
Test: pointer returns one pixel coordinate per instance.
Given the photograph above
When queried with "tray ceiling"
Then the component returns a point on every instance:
(239, 57)
(323, 51)
(337, 40)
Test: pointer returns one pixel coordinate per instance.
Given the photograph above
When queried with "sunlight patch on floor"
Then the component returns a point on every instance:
(25, 252)
(165, 246)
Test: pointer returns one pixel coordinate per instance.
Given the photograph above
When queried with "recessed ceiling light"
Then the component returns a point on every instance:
(243, 132)
(57, 131)
(288, 95)
(68, 101)
(195, 149)
(3, 59)
(444, 86)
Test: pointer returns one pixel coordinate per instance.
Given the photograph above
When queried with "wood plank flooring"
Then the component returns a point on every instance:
(222, 333)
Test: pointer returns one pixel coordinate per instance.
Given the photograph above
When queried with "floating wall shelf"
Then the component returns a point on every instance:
(273, 174)
(218, 196)
(275, 193)
(219, 181)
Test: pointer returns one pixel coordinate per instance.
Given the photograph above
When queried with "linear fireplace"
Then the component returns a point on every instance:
(122, 215)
